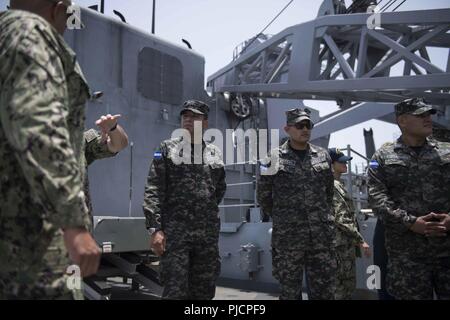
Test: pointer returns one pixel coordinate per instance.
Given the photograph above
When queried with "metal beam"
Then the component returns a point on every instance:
(418, 17)
(402, 29)
(278, 62)
(416, 70)
(338, 55)
(424, 54)
(326, 73)
(350, 117)
(306, 79)
(448, 61)
(407, 68)
(278, 69)
(413, 46)
(252, 67)
(390, 52)
(425, 82)
(404, 52)
(263, 66)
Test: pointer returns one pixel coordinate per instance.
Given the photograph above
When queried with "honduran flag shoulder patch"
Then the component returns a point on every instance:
(157, 154)
(374, 164)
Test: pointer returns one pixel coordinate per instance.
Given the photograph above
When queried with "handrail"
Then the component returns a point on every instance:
(237, 205)
(354, 151)
(239, 184)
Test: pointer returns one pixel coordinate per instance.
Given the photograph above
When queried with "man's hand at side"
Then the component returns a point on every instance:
(158, 242)
(83, 250)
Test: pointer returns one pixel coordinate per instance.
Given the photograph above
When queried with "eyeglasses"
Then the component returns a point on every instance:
(302, 125)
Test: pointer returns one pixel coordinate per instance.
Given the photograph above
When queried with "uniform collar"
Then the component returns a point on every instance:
(285, 148)
(430, 143)
(180, 140)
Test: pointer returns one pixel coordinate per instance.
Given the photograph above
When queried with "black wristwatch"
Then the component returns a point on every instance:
(113, 128)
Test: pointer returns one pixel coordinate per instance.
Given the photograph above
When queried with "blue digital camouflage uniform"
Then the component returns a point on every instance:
(404, 185)
(42, 100)
(298, 198)
(182, 200)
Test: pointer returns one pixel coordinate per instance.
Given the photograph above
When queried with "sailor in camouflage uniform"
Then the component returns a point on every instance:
(298, 197)
(349, 240)
(42, 99)
(181, 209)
(409, 187)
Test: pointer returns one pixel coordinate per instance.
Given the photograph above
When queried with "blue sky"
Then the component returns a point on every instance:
(215, 27)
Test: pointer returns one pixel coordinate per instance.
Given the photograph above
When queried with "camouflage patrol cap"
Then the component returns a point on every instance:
(414, 106)
(196, 106)
(296, 115)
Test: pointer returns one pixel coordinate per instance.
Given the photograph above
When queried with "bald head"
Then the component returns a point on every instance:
(54, 11)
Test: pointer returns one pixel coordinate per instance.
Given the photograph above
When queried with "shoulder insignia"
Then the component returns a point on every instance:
(157, 155)
(374, 164)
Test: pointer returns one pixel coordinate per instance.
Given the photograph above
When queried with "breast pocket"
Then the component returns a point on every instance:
(436, 185)
(176, 171)
(285, 170)
(321, 172)
(321, 167)
(285, 182)
(397, 173)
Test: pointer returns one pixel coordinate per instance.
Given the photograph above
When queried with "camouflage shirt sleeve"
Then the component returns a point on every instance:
(264, 188)
(380, 200)
(34, 121)
(344, 217)
(330, 182)
(156, 189)
(95, 148)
